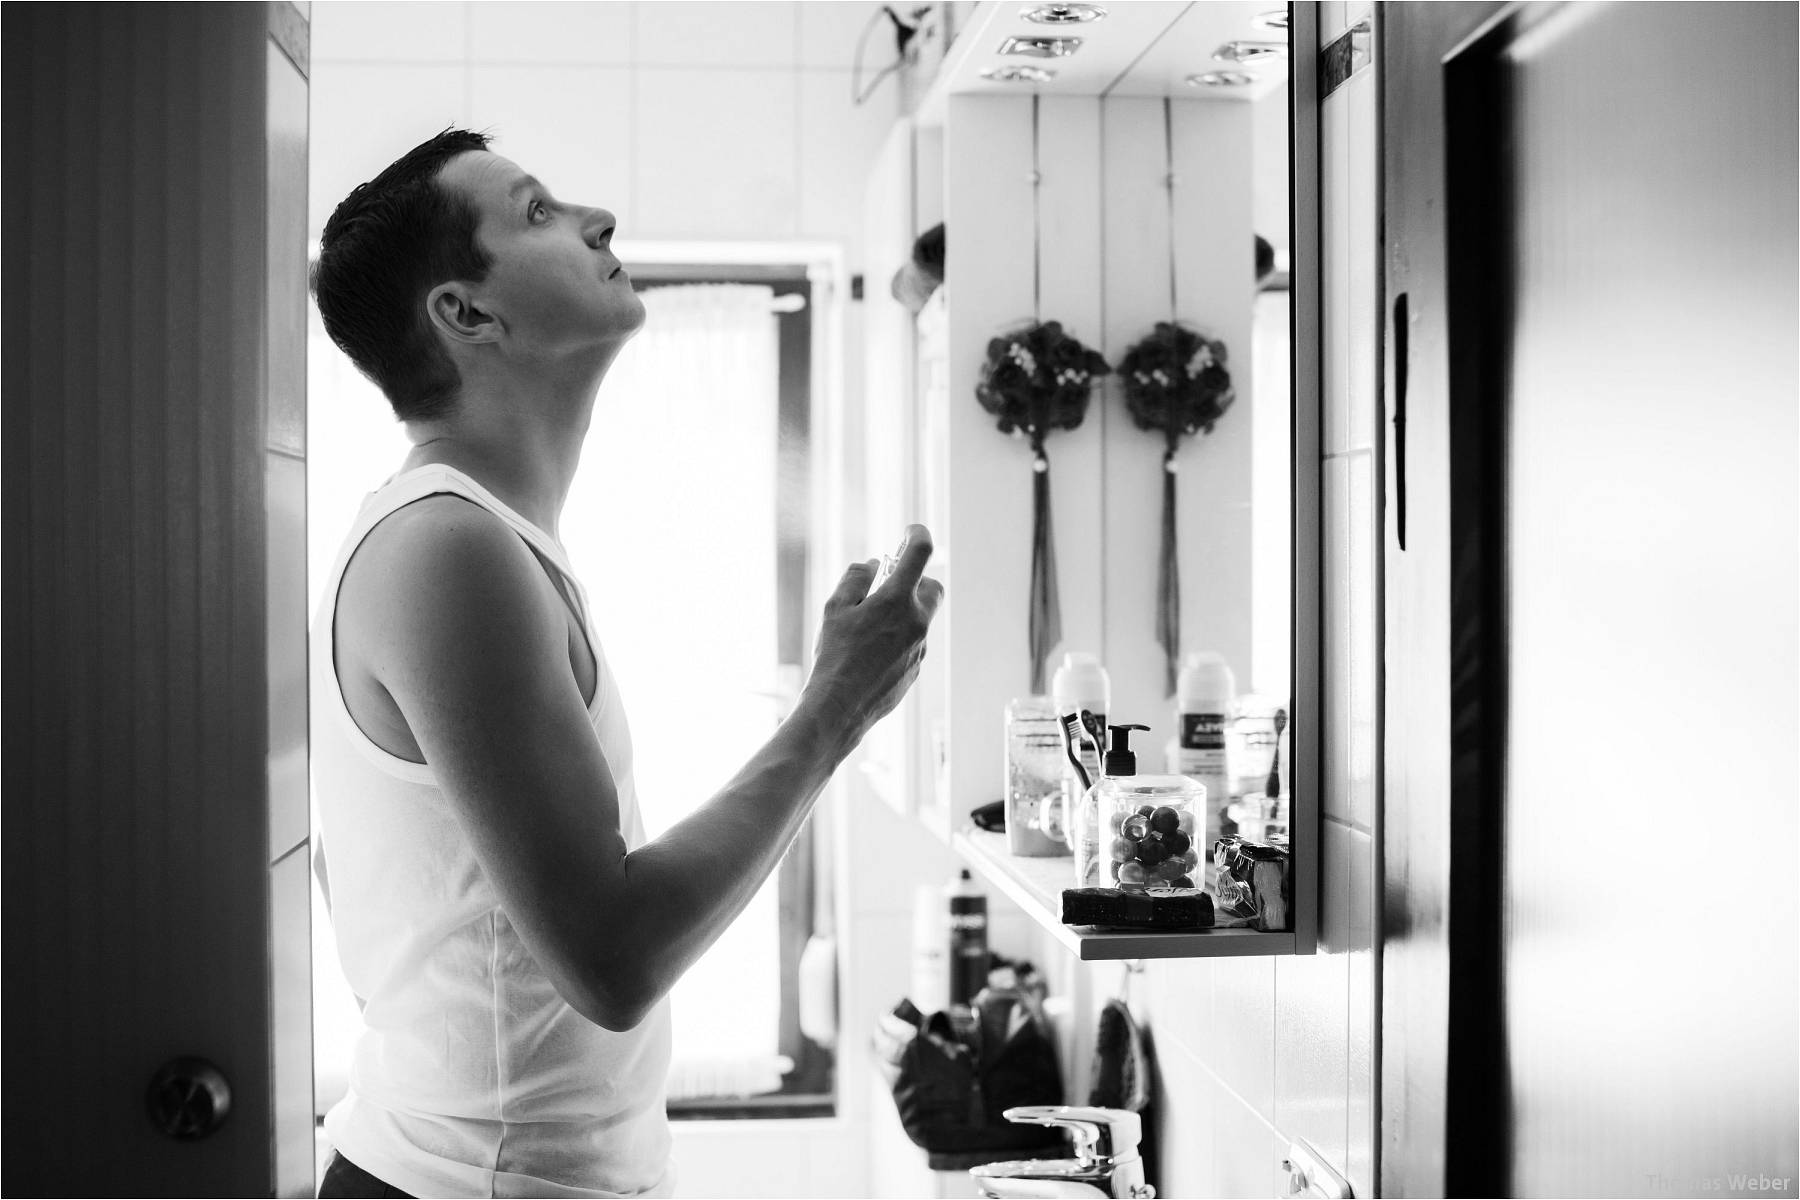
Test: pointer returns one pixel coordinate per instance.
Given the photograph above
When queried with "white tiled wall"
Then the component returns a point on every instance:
(700, 121)
(1253, 1054)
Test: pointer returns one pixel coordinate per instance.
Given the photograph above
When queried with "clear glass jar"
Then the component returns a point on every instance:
(1258, 818)
(1139, 831)
(1034, 773)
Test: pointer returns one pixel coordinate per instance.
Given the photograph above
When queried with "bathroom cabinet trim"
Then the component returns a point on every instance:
(1308, 502)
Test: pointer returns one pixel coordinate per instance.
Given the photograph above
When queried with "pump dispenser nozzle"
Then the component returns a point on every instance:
(1119, 759)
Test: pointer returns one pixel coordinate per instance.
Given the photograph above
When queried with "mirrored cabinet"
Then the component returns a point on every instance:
(1146, 180)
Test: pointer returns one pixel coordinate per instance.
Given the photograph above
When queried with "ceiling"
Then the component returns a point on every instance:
(1140, 48)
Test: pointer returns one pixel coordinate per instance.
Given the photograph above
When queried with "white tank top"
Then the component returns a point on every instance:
(472, 1076)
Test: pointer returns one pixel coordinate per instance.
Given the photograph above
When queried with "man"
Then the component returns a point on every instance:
(510, 932)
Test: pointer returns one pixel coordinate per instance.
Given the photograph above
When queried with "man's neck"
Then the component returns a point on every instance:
(524, 453)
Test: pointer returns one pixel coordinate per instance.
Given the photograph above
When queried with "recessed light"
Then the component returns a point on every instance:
(1013, 73)
(1220, 79)
(1062, 14)
(1041, 46)
(1276, 19)
(1250, 52)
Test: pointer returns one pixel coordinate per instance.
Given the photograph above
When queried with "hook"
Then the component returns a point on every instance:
(1133, 966)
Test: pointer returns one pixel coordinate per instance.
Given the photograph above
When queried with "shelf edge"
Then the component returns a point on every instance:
(1004, 873)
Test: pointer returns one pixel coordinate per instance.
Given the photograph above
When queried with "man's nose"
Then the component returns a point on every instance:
(597, 224)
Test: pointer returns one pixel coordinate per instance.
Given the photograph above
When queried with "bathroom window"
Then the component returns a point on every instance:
(689, 523)
(689, 526)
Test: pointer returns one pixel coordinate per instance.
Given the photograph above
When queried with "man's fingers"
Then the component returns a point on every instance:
(931, 594)
(854, 586)
(915, 549)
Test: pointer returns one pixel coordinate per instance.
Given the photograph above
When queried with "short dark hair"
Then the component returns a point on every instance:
(386, 246)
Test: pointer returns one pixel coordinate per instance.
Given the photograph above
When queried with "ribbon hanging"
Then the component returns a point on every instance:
(1168, 573)
(1168, 581)
(1044, 626)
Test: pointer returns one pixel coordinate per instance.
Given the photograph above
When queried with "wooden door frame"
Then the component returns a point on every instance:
(1439, 946)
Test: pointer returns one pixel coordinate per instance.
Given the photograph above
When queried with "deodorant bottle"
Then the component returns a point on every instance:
(968, 942)
(1205, 695)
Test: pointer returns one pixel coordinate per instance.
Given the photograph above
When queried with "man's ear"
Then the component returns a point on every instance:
(454, 312)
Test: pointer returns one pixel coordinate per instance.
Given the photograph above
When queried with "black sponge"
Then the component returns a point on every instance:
(1157, 908)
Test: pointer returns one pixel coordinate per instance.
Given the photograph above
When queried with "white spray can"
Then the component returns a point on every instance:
(1205, 696)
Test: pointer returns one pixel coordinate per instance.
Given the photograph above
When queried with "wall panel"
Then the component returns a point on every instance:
(1070, 264)
(988, 197)
(1134, 172)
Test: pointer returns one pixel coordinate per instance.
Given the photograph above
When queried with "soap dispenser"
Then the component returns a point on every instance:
(1139, 831)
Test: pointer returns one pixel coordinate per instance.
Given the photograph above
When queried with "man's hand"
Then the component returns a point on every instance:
(872, 641)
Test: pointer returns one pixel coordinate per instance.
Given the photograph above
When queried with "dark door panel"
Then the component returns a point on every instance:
(1592, 214)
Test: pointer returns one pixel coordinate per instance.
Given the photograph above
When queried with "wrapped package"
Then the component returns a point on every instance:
(1156, 908)
(1256, 884)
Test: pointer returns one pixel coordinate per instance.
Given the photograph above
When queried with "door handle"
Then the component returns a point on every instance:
(1401, 360)
(188, 1098)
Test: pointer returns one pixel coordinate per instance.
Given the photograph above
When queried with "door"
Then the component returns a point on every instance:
(1607, 366)
(157, 1023)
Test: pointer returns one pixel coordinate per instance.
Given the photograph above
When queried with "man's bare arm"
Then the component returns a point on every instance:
(473, 649)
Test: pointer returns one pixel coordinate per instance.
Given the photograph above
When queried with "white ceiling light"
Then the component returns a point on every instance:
(1250, 52)
(1220, 79)
(1276, 19)
(1062, 14)
(1018, 74)
(1041, 46)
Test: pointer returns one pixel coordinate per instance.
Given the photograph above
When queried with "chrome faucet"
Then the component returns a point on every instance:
(1106, 1162)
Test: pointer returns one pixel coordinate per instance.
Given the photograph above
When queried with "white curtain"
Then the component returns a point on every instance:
(671, 526)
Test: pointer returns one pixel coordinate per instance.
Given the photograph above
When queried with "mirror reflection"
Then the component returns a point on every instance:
(1108, 286)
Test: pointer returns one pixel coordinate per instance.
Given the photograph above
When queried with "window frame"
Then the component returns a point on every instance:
(810, 1090)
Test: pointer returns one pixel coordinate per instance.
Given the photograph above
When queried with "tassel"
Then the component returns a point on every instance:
(1168, 581)
(1045, 626)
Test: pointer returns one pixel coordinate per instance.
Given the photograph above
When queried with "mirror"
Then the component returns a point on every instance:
(1110, 196)
(1196, 224)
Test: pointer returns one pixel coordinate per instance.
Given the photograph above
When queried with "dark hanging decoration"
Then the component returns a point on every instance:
(1176, 384)
(1038, 378)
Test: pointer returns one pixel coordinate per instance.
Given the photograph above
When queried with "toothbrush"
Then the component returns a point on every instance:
(1096, 732)
(1272, 789)
(1071, 722)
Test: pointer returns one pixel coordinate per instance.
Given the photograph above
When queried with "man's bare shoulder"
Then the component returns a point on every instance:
(436, 574)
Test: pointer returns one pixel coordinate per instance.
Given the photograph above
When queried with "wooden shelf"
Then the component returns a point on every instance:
(1036, 885)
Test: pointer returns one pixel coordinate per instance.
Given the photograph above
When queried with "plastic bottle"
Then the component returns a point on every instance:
(1080, 684)
(930, 989)
(968, 941)
(1205, 696)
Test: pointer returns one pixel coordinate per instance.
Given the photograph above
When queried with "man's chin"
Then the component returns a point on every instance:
(638, 315)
